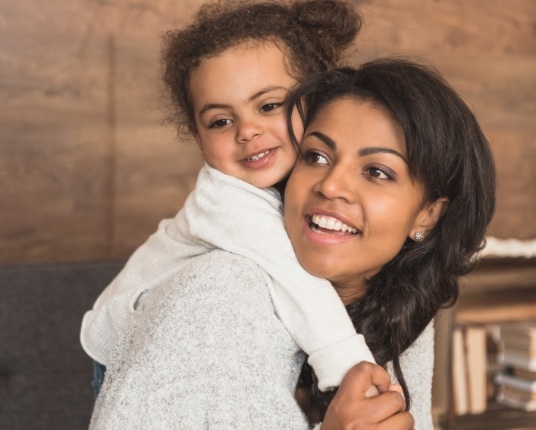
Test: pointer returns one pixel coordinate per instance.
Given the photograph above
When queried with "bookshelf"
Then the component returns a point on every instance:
(499, 291)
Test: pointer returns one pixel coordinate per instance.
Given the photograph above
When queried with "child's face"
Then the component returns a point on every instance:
(238, 99)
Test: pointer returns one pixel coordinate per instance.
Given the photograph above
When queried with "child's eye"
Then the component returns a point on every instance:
(314, 157)
(379, 173)
(270, 106)
(219, 123)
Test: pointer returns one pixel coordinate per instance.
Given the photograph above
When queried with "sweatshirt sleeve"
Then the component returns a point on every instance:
(227, 213)
(152, 264)
(205, 351)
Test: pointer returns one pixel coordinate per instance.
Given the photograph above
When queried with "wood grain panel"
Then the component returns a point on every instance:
(87, 169)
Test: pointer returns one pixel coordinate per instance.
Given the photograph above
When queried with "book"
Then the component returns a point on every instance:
(519, 335)
(519, 342)
(469, 369)
(517, 358)
(516, 392)
(516, 404)
(476, 356)
(524, 384)
(526, 329)
(518, 345)
(459, 373)
(522, 373)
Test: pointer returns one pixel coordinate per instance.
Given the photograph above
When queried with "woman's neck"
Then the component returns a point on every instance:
(350, 293)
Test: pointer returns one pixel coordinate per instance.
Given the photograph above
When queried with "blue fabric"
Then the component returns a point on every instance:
(99, 371)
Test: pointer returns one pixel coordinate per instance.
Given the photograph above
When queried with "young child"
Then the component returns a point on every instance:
(229, 73)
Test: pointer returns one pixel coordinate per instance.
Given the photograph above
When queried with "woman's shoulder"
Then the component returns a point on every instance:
(218, 277)
(219, 269)
(417, 364)
(421, 351)
(219, 261)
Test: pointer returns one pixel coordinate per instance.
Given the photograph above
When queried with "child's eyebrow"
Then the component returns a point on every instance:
(258, 94)
(266, 90)
(210, 106)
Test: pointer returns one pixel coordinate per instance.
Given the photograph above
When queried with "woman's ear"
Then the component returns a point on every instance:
(427, 218)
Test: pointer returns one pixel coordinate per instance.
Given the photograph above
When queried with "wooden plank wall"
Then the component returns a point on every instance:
(87, 169)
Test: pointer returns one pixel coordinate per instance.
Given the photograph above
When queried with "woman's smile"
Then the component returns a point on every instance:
(327, 226)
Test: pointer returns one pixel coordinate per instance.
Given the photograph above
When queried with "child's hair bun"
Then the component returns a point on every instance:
(333, 23)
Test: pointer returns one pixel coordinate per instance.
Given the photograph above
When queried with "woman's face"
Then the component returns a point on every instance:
(350, 202)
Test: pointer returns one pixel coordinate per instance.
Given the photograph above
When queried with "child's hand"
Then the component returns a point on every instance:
(397, 388)
(353, 408)
(373, 390)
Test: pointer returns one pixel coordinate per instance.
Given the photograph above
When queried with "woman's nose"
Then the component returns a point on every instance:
(248, 129)
(338, 183)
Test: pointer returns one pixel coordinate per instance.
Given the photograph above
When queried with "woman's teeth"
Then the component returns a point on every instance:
(330, 223)
(258, 156)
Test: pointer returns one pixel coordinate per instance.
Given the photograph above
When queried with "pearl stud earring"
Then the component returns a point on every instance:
(419, 236)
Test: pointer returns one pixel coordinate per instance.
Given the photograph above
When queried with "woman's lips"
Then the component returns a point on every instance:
(328, 229)
(324, 223)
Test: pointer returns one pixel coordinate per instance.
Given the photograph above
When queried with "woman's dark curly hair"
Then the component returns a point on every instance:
(451, 157)
(311, 33)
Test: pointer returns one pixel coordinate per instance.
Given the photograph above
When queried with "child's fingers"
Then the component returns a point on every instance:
(359, 379)
(385, 405)
(372, 391)
(397, 388)
(351, 408)
(400, 421)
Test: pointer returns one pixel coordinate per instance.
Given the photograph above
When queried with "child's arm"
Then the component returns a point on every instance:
(230, 214)
(152, 264)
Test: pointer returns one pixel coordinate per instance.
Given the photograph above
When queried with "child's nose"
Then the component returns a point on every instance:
(248, 130)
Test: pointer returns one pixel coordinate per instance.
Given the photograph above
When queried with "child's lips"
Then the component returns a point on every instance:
(259, 159)
(258, 156)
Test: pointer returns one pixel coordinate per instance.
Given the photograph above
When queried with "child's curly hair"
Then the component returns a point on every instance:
(311, 33)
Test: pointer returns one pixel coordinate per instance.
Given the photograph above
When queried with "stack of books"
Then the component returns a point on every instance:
(516, 381)
(470, 369)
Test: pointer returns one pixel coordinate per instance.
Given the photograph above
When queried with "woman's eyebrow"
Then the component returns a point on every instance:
(378, 150)
(363, 152)
(328, 141)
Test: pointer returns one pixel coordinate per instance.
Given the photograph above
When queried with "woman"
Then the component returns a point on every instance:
(391, 161)
(389, 200)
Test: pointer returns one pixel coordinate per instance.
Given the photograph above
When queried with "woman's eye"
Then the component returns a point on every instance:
(270, 106)
(377, 173)
(219, 123)
(313, 157)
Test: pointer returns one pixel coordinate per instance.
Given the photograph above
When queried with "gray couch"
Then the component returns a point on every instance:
(45, 376)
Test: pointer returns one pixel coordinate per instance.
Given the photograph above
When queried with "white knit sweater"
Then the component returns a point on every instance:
(206, 350)
(227, 213)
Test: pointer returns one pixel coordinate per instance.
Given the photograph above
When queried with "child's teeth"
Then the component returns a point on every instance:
(259, 156)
